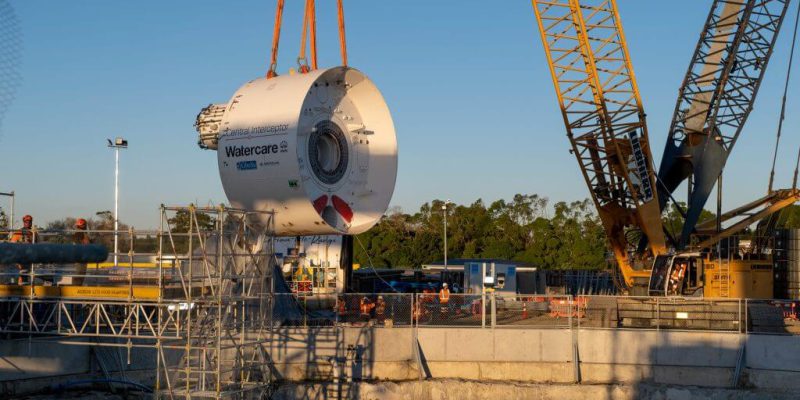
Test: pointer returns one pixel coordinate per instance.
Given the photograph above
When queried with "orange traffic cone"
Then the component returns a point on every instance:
(525, 310)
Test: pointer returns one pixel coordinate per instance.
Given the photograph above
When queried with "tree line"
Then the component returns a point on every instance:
(568, 235)
(564, 236)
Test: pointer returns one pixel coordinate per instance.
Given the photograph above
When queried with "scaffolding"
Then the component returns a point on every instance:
(204, 305)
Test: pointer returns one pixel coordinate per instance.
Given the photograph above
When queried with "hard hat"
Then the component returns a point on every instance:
(380, 297)
(27, 218)
(80, 222)
(444, 284)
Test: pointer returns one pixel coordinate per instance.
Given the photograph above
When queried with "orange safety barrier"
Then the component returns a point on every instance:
(563, 308)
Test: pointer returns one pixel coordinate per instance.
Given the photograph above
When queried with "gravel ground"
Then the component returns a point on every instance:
(82, 394)
(468, 390)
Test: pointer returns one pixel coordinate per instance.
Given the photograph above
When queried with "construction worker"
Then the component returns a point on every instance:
(80, 236)
(366, 307)
(444, 299)
(444, 294)
(26, 234)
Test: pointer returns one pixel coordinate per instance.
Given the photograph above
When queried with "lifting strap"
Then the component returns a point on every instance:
(309, 34)
(342, 37)
(309, 24)
(276, 38)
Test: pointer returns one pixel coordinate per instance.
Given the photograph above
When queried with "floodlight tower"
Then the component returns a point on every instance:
(117, 144)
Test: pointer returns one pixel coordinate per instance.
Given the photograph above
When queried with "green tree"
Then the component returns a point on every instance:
(4, 221)
(673, 218)
(180, 224)
(519, 229)
(101, 231)
(789, 218)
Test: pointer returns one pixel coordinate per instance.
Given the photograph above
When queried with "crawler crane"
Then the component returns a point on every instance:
(607, 129)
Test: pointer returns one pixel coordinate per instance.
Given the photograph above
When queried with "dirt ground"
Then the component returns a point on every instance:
(84, 395)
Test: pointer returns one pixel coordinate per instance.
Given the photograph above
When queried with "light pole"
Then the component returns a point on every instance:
(444, 214)
(11, 220)
(117, 144)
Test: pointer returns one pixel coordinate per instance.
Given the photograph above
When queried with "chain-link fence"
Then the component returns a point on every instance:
(430, 309)
(525, 311)
(492, 310)
(380, 310)
(352, 309)
(666, 313)
(773, 316)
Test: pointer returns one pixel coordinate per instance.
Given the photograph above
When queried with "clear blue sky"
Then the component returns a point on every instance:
(466, 81)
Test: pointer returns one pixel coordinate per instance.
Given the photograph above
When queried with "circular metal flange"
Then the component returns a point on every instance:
(328, 152)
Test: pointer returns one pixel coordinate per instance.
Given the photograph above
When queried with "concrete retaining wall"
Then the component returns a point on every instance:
(31, 366)
(524, 355)
(540, 356)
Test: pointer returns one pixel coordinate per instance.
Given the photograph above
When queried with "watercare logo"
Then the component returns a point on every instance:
(247, 151)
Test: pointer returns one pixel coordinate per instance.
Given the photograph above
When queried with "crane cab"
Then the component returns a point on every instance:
(676, 275)
(698, 274)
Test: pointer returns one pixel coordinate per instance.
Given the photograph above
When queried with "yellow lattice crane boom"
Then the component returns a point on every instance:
(605, 121)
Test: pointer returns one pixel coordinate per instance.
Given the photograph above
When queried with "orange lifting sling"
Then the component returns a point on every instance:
(309, 33)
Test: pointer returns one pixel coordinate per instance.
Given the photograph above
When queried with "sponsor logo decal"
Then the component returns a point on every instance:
(641, 167)
(246, 165)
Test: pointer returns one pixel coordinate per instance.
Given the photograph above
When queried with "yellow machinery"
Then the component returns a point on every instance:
(716, 277)
(606, 124)
(740, 279)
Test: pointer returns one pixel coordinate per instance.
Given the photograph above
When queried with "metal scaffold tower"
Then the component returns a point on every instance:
(204, 306)
(223, 324)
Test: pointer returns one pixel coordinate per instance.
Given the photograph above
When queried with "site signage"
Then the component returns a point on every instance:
(646, 192)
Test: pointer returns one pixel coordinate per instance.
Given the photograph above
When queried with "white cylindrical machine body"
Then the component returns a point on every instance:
(318, 149)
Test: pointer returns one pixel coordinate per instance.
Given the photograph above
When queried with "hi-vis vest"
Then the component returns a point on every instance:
(444, 295)
(366, 306)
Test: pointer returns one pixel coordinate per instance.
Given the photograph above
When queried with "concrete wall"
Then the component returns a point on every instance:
(539, 356)
(315, 353)
(30, 366)
(21, 359)
(773, 361)
(627, 357)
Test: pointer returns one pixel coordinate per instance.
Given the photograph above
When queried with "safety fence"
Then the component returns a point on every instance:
(493, 310)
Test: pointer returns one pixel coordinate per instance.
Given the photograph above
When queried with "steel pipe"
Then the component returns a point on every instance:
(49, 253)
